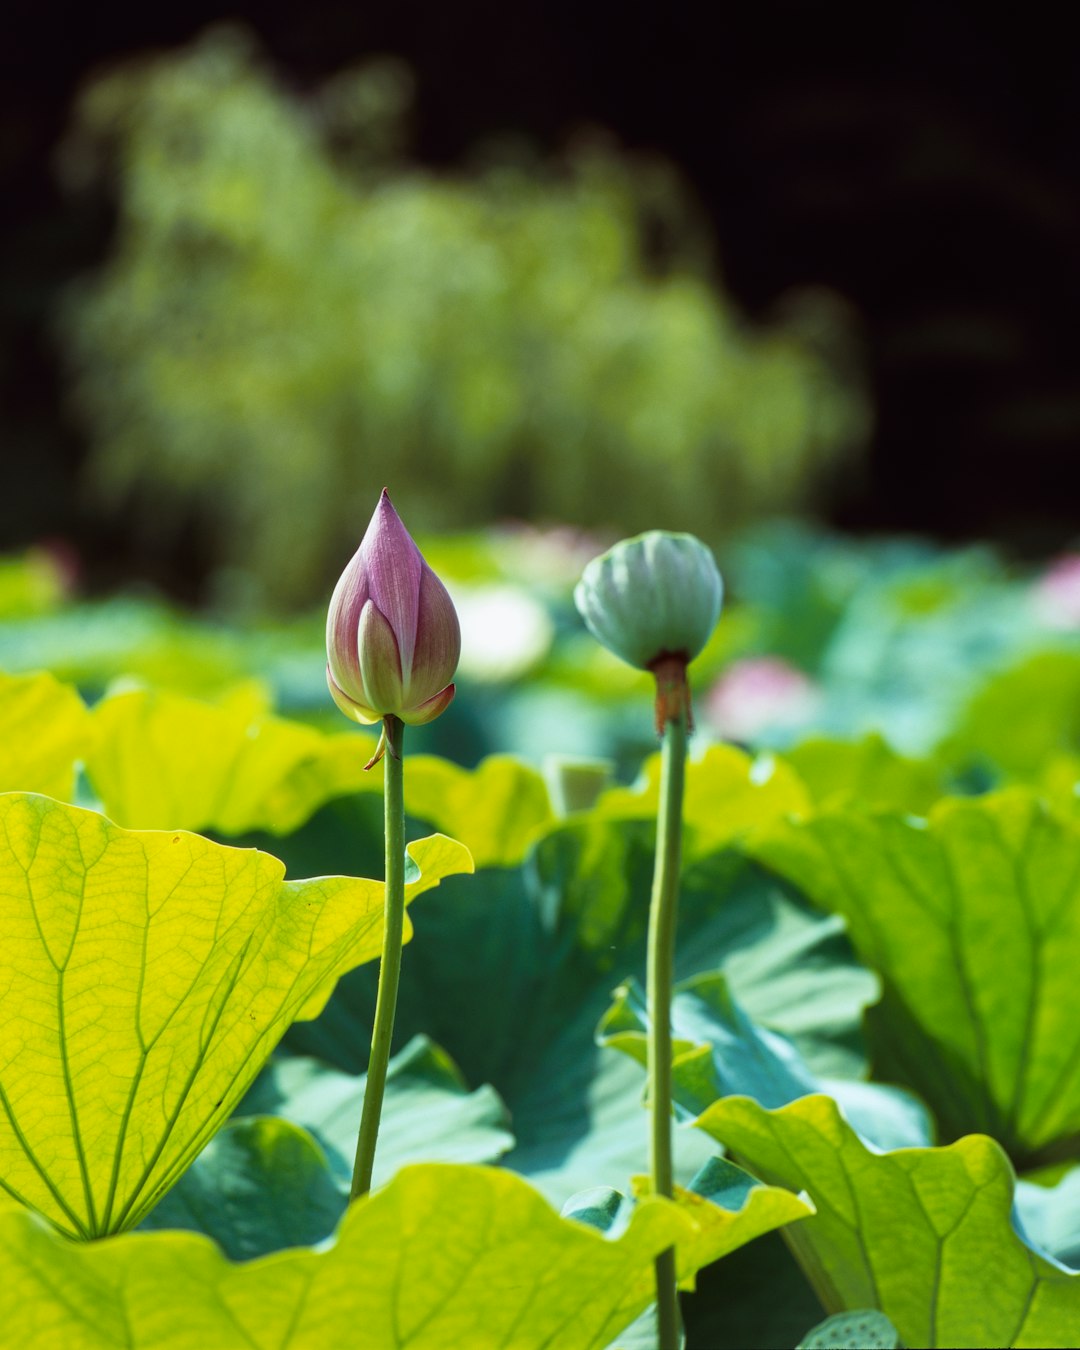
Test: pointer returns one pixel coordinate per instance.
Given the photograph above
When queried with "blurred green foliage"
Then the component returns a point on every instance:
(293, 316)
(950, 656)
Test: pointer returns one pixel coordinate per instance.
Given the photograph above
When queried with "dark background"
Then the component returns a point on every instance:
(921, 160)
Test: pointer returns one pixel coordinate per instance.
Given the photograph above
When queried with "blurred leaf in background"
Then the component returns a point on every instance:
(294, 315)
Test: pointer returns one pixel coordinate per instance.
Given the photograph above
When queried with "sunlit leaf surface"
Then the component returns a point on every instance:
(167, 761)
(497, 809)
(264, 1183)
(144, 978)
(727, 792)
(973, 922)
(1022, 716)
(924, 1235)
(44, 729)
(728, 1205)
(866, 773)
(443, 1256)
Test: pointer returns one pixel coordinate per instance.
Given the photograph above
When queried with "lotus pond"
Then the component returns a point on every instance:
(876, 1070)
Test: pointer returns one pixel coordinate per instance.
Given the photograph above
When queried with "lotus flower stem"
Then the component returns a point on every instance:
(654, 601)
(661, 959)
(390, 964)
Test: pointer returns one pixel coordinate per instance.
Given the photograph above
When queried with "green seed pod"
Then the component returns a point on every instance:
(652, 598)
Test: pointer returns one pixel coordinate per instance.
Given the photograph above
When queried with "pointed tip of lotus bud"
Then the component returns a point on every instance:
(393, 638)
(652, 597)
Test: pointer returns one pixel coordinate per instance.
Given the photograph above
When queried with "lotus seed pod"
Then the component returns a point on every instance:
(652, 597)
(654, 601)
(392, 634)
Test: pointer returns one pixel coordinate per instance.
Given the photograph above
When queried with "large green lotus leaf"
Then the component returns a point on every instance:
(428, 1115)
(730, 1209)
(512, 972)
(719, 1051)
(44, 729)
(925, 1235)
(721, 1055)
(727, 793)
(711, 1317)
(486, 980)
(443, 1256)
(866, 773)
(973, 922)
(1022, 716)
(260, 1185)
(496, 809)
(1058, 781)
(167, 761)
(145, 977)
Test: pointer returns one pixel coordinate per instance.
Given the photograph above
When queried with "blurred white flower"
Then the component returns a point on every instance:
(504, 632)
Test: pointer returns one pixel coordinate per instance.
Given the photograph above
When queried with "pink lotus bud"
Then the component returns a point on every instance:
(392, 635)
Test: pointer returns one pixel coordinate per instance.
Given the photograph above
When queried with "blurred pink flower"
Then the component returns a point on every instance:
(1056, 593)
(758, 694)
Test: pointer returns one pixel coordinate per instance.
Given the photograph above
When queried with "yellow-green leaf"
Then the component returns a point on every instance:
(925, 1235)
(729, 1208)
(496, 809)
(727, 793)
(144, 980)
(971, 918)
(1023, 715)
(44, 729)
(867, 773)
(445, 1256)
(167, 761)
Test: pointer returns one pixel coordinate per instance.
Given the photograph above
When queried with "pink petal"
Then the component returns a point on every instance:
(438, 641)
(393, 566)
(343, 623)
(427, 712)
